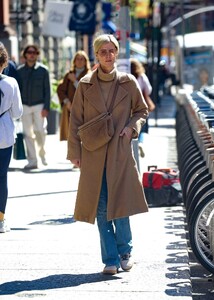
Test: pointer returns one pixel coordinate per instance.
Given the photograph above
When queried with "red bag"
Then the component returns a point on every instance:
(162, 186)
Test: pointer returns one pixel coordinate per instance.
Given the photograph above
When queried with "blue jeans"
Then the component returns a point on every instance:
(144, 129)
(5, 156)
(115, 235)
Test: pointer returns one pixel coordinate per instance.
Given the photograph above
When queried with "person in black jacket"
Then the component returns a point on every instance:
(11, 69)
(34, 83)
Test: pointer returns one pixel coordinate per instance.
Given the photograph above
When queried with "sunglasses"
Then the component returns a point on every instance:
(104, 52)
(32, 52)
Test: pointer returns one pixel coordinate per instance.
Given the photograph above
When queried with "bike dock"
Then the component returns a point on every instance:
(195, 148)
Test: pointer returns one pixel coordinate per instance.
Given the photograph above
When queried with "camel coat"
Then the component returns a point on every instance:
(66, 89)
(125, 192)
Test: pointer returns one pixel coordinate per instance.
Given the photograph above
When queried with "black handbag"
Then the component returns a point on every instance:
(19, 151)
(19, 147)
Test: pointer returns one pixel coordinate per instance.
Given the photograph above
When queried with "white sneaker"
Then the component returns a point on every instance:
(30, 166)
(126, 262)
(75, 168)
(110, 270)
(44, 161)
(140, 147)
(4, 227)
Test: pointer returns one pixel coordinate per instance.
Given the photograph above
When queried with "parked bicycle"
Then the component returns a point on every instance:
(195, 148)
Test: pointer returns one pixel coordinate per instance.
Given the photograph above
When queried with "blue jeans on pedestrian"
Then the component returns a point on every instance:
(5, 156)
(115, 235)
(144, 129)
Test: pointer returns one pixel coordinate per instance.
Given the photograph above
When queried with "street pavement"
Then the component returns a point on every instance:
(47, 255)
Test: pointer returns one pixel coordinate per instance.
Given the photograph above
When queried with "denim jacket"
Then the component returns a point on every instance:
(34, 83)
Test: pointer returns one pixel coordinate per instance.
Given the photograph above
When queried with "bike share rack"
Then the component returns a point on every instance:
(195, 150)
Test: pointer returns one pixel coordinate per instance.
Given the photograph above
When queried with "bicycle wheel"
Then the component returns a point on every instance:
(189, 175)
(201, 233)
(203, 192)
(196, 188)
(196, 180)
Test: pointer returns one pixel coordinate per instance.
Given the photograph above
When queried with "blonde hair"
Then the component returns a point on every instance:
(103, 39)
(87, 61)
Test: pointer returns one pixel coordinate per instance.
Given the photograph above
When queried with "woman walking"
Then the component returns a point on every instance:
(80, 66)
(110, 189)
(138, 71)
(10, 107)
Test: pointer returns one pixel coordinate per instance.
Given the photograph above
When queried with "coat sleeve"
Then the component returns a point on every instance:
(16, 108)
(139, 109)
(62, 89)
(47, 90)
(76, 119)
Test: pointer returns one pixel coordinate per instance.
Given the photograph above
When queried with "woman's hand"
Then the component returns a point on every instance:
(72, 77)
(76, 162)
(128, 132)
(68, 105)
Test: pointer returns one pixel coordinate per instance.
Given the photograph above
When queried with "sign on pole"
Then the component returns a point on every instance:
(56, 18)
(124, 27)
(123, 65)
(83, 17)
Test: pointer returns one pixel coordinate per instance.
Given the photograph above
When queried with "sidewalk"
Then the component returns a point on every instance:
(49, 256)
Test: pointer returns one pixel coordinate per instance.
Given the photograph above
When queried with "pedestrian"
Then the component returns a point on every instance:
(163, 76)
(34, 83)
(10, 108)
(11, 69)
(137, 69)
(110, 188)
(80, 66)
(203, 78)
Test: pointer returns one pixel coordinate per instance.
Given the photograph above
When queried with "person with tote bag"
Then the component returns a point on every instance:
(10, 109)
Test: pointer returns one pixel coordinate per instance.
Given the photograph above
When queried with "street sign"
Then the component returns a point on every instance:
(56, 18)
(83, 16)
(20, 16)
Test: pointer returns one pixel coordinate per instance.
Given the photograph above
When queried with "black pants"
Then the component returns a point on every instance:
(5, 157)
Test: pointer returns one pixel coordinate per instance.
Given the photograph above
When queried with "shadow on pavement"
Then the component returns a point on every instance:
(43, 194)
(53, 282)
(36, 171)
(61, 221)
(177, 253)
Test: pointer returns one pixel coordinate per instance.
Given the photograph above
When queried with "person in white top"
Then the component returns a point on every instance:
(138, 71)
(10, 109)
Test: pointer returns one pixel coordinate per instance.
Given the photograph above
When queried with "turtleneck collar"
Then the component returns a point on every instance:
(80, 69)
(106, 76)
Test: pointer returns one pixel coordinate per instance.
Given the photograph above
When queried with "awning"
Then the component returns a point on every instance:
(138, 51)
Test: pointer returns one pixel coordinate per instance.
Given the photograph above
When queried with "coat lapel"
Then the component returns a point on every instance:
(121, 92)
(94, 96)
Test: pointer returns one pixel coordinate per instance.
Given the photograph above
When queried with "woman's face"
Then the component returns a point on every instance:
(204, 77)
(106, 56)
(80, 61)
